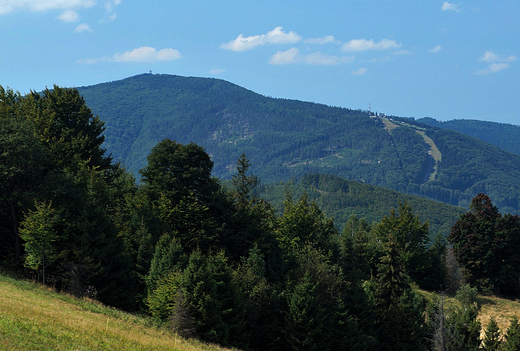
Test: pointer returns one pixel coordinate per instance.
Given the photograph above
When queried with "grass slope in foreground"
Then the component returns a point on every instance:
(35, 318)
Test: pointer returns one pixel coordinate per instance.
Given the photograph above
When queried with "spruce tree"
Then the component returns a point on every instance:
(512, 337)
(491, 341)
(398, 307)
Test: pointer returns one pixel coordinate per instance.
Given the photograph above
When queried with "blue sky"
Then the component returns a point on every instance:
(407, 58)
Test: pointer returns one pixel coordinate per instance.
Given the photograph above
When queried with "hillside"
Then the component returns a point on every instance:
(286, 138)
(34, 318)
(505, 136)
(340, 198)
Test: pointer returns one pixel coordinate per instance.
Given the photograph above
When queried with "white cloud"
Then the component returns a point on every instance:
(7, 6)
(110, 8)
(142, 54)
(363, 45)
(446, 6)
(216, 71)
(492, 57)
(276, 36)
(360, 71)
(320, 41)
(498, 63)
(293, 55)
(285, 57)
(69, 16)
(494, 67)
(82, 28)
(436, 49)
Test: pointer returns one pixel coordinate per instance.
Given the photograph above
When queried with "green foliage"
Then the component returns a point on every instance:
(167, 258)
(210, 293)
(244, 184)
(463, 319)
(321, 306)
(178, 172)
(22, 164)
(483, 242)
(302, 224)
(411, 238)
(162, 299)
(398, 307)
(512, 336)
(67, 127)
(491, 341)
(340, 198)
(37, 230)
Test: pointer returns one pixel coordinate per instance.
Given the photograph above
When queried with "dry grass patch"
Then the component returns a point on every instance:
(503, 310)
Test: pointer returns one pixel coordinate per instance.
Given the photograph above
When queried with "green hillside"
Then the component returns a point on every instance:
(36, 318)
(505, 136)
(340, 198)
(286, 138)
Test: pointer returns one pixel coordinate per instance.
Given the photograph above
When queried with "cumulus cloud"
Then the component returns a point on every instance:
(364, 45)
(293, 55)
(7, 6)
(446, 6)
(285, 57)
(360, 71)
(83, 28)
(498, 62)
(436, 49)
(142, 54)
(276, 36)
(69, 16)
(492, 57)
(495, 67)
(321, 41)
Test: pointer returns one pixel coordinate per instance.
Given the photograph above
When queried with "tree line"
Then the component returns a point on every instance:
(217, 262)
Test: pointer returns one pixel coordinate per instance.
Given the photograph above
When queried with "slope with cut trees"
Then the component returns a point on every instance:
(505, 136)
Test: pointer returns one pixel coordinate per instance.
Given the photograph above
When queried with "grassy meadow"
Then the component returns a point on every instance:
(33, 317)
(503, 310)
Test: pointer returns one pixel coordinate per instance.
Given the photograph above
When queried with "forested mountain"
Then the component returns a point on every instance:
(505, 136)
(286, 138)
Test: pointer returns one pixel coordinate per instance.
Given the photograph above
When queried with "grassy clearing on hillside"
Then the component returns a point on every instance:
(503, 311)
(36, 318)
(490, 306)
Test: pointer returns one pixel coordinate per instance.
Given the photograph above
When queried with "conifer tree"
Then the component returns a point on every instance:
(491, 341)
(512, 336)
(398, 307)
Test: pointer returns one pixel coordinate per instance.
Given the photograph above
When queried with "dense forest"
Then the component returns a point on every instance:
(218, 263)
(340, 199)
(286, 139)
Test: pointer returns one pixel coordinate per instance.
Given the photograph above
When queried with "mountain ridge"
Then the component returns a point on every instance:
(288, 138)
